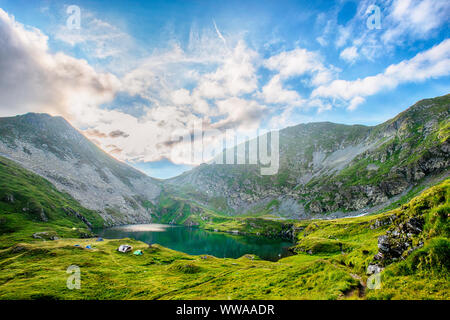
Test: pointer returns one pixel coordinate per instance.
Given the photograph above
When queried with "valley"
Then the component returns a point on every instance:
(352, 201)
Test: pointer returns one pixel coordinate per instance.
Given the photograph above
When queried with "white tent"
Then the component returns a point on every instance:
(124, 248)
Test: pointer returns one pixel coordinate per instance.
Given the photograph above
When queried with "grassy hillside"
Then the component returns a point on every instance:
(331, 262)
(30, 204)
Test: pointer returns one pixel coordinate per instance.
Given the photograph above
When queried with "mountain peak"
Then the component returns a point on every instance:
(40, 117)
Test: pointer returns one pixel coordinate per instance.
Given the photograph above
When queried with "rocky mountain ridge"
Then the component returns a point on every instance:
(332, 169)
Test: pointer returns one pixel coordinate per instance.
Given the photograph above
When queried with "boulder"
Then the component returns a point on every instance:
(45, 235)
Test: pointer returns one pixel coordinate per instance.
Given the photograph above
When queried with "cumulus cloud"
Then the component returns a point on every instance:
(306, 65)
(349, 54)
(181, 96)
(432, 63)
(241, 114)
(273, 92)
(34, 79)
(236, 75)
(300, 62)
(355, 102)
(220, 79)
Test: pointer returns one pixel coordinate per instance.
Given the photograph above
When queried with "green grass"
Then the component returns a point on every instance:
(38, 270)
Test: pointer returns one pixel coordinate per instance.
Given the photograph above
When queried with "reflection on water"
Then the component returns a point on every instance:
(153, 227)
(196, 241)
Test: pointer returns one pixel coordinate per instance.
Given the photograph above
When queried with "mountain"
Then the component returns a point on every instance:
(52, 148)
(325, 170)
(328, 168)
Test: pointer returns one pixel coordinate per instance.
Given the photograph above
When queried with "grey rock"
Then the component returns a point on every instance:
(373, 269)
(44, 235)
(383, 244)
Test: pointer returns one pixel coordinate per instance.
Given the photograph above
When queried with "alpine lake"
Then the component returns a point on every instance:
(196, 241)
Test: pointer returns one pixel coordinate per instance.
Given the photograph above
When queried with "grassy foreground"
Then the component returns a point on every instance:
(331, 261)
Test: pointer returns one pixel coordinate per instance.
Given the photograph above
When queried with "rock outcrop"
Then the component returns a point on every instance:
(397, 243)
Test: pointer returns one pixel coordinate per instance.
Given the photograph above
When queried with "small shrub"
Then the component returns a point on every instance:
(187, 268)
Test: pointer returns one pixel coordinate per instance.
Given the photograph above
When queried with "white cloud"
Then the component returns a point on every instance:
(349, 54)
(181, 96)
(33, 79)
(321, 40)
(241, 114)
(415, 18)
(147, 136)
(344, 34)
(218, 78)
(432, 63)
(403, 22)
(273, 92)
(300, 62)
(236, 75)
(355, 102)
(295, 63)
(219, 34)
(321, 20)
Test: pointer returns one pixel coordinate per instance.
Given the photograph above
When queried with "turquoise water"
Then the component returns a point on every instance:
(196, 241)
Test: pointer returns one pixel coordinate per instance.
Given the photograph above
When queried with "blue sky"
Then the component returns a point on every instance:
(135, 73)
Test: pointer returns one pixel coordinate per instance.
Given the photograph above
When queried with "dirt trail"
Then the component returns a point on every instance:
(361, 287)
